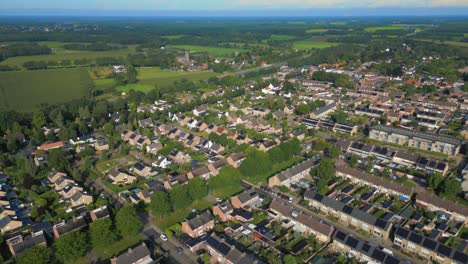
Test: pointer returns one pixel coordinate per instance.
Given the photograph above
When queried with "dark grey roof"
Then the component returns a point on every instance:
(19, 245)
(133, 255)
(297, 169)
(200, 219)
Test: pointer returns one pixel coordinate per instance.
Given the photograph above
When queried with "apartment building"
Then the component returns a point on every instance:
(425, 141)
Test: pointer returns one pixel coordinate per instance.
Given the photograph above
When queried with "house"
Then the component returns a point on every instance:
(138, 255)
(154, 147)
(361, 250)
(200, 111)
(146, 123)
(99, 213)
(406, 158)
(8, 223)
(236, 159)
(293, 174)
(101, 144)
(62, 182)
(47, 147)
(223, 210)
(82, 140)
(427, 248)
(70, 225)
(304, 223)
(120, 178)
(199, 224)
(203, 172)
(324, 111)
(20, 243)
(80, 198)
(329, 125)
(224, 251)
(144, 170)
(142, 142)
(161, 162)
(179, 157)
(248, 199)
(349, 215)
(40, 160)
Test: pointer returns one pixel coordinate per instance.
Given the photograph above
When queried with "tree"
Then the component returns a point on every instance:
(180, 197)
(326, 169)
(35, 255)
(128, 222)
(197, 188)
(102, 233)
(39, 119)
(450, 187)
(71, 246)
(57, 159)
(435, 180)
(160, 204)
(289, 259)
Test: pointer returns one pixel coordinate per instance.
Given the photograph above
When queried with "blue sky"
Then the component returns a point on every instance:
(223, 4)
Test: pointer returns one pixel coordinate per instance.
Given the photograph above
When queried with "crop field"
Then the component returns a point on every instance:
(316, 30)
(174, 36)
(152, 76)
(281, 37)
(25, 90)
(453, 43)
(72, 55)
(393, 27)
(211, 50)
(307, 45)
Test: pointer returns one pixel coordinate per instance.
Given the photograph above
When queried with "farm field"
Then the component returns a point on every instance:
(309, 44)
(103, 84)
(135, 86)
(174, 36)
(25, 90)
(152, 76)
(281, 37)
(212, 50)
(73, 55)
(316, 30)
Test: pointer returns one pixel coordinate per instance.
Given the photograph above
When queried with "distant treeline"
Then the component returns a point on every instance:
(22, 49)
(89, 47)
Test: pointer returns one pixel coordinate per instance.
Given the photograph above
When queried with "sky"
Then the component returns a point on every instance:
(247, 5)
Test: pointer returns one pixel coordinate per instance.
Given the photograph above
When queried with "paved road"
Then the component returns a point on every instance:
(381, 242)
(152, 233)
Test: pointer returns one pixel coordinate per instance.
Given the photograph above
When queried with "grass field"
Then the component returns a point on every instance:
(25, 90)
(281, 37)
(162, 78)
(72, 55)
(316, 30)
(174, 36)
(116, 247)
(307, 45)
(135, 86)
(297, 23)
(212, 50)
(103, 84)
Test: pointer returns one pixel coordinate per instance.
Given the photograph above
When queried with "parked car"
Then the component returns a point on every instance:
(163, 237)
(179, 250)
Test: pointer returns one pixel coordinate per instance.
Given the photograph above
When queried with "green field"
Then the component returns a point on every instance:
(152, 76)
(135, 86)
(103, 84)
(390, 27)
(307, 45)
(72, 55)
(25, 90)
(174, 36)
(212, 50)
(316, 30)
(297, 23)
(281, 37)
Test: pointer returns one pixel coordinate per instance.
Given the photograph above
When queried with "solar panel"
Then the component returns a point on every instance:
(415, 238)
(460, 257)
(347, 209)
(391, 260)
(380, 223)
(352, 242)
(402, 232)
(223, 248)
(340, 235)
(444, 250)
(379, 255)
(366, 247)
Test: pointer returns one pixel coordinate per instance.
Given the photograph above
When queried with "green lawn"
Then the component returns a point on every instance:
(152, 76)
(307, 45)
(212, 50)
(103, 84)
(117, 247)
(297, 23)
(281, 37)
(135, 86)
(72, 55)
(316, 30)
(25, 90)
(453, 43)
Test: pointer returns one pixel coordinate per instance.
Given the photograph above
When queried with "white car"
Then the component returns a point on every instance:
(218, 200)
(163, 237)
